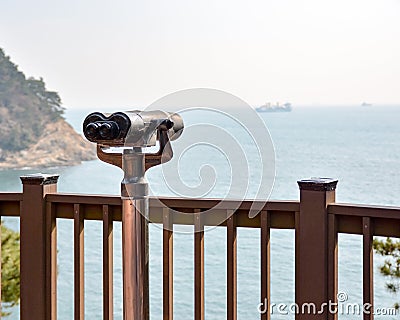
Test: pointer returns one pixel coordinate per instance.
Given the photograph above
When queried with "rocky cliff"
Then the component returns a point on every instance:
(32, 128)
(59, 145)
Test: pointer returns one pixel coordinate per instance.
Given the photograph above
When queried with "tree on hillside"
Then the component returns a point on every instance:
(10, 268)
(391, 267)
(25, 107)
(50, 99)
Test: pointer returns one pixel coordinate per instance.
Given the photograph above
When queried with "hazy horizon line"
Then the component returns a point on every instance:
(302, 105)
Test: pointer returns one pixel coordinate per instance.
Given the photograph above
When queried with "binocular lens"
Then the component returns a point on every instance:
(105, 130)
(91, 130)
(109, 130)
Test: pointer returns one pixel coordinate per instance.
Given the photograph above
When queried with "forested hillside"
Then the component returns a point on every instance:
(27, 109)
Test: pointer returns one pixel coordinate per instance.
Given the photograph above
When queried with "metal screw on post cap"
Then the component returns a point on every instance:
(318, 184)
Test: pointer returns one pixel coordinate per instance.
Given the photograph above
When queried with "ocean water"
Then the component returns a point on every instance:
(358, 146)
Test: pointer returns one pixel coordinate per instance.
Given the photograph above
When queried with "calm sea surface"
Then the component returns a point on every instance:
(358, 146)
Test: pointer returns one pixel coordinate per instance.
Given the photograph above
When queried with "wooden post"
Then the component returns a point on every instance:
(311, 258)
(38, 248)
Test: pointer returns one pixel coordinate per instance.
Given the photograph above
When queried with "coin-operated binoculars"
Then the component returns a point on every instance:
(133, 131)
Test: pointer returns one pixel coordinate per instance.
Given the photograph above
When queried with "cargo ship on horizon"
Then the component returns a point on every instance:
(366, 104)
(269, 107)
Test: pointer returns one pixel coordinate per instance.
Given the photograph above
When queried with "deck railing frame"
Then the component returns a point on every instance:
(316, 218)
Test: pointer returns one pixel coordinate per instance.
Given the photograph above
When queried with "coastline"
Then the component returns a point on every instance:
(59, 145)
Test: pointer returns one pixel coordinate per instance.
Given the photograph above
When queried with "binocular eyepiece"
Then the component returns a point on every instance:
(105, 130)
(131, 128)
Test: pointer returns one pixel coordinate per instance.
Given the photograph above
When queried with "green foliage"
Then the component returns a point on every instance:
(10, 268)
(25, 107)
(391, 267)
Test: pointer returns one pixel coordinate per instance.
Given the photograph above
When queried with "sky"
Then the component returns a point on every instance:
(120, 53)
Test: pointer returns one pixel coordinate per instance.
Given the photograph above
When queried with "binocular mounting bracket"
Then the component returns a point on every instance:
(164, 154)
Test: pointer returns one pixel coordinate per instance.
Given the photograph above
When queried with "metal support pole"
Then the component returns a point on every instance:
(135, 243)
(134, 130)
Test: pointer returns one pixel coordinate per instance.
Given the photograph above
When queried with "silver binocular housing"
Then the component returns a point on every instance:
(131, 128)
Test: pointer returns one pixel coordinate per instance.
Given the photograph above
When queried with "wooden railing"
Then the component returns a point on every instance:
(316, 218)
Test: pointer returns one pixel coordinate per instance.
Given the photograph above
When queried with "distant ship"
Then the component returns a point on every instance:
(268, 107)
(365, 104)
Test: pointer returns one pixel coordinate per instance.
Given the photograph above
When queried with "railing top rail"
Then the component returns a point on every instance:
(226, 204)
(11, 196)
(363, 210)
(342, 209)
(84, 199)
(10, 203)
(283, 212)
(182, 209)
(286, 205)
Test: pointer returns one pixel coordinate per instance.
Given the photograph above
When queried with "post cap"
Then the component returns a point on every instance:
(39, 179)
(318, 184)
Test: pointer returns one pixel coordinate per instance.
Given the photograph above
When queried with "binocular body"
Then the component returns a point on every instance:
(131, 128)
